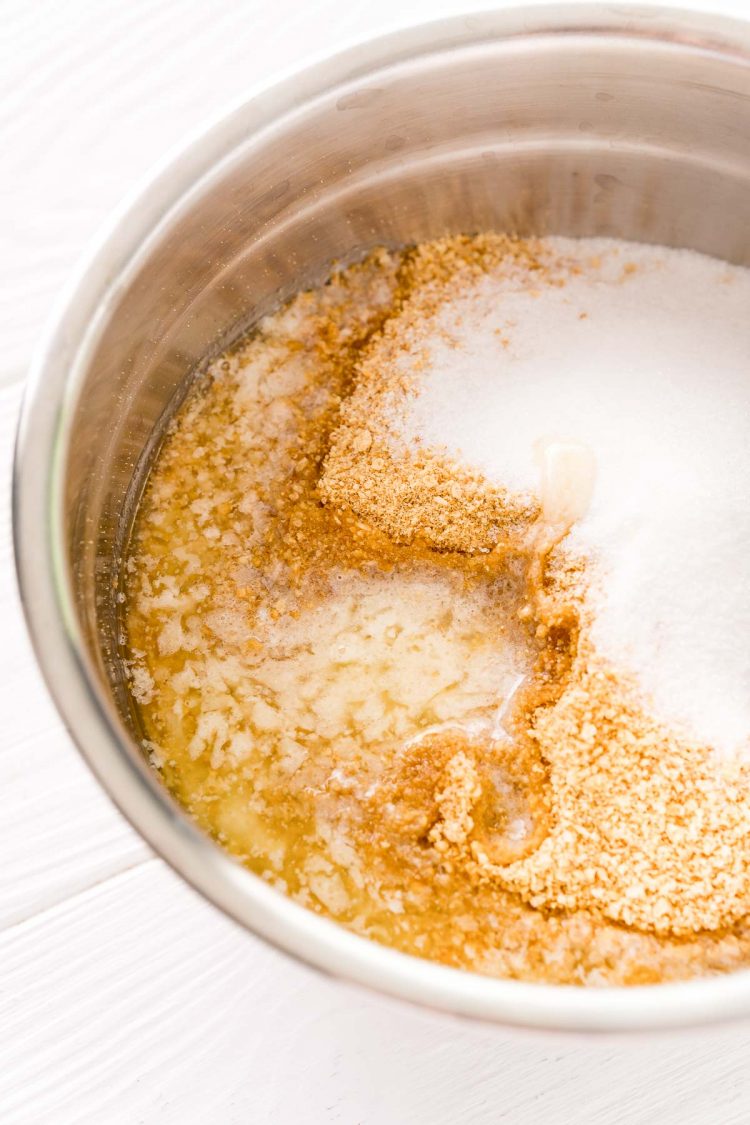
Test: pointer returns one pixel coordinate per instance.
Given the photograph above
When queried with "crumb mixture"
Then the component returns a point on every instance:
(370, 673)
(614, 372)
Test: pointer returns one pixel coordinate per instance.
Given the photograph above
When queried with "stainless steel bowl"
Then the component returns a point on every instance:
(572, 120)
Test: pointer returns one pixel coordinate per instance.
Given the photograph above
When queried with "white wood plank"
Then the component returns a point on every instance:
(58, 831)
(134, 1001)
(92, 94)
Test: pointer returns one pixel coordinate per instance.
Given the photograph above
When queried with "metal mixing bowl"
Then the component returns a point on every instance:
(579, 121)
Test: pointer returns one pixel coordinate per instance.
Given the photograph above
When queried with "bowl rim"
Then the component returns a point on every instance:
(46, 594)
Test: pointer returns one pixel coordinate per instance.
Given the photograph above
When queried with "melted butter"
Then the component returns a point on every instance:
(568, 477)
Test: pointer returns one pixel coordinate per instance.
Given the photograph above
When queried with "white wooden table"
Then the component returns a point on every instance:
(124, 998)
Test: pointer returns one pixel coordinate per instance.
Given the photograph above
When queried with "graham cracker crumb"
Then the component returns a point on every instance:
(419, 494)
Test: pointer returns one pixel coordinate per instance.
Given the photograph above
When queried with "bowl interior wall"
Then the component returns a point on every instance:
(570, 133)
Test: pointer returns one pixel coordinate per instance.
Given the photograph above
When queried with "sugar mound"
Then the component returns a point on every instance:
(641, 356)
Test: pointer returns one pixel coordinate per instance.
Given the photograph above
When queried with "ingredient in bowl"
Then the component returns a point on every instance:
(419, 595)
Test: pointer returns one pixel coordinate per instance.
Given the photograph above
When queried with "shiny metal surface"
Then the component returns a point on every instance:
(581, 121)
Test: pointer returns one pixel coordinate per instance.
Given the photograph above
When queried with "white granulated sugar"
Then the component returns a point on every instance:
(643, 359)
